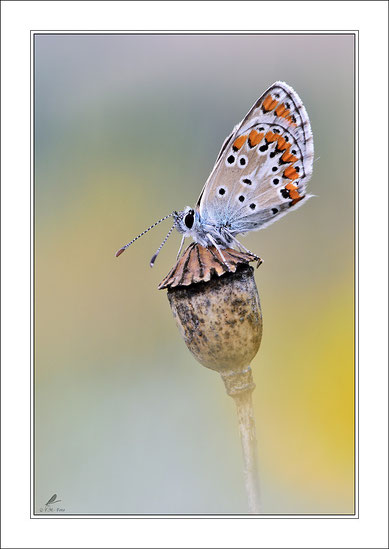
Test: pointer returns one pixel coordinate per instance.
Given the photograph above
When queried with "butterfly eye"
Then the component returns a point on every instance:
(189, 219)
(274, 211)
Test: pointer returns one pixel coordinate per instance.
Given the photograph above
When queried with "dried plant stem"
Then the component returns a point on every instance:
(239, 386)
(244, 407)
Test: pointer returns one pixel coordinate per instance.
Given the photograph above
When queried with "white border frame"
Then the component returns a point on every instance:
(18, 530)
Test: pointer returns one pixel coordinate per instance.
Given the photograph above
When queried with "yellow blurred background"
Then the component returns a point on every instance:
(127, 129)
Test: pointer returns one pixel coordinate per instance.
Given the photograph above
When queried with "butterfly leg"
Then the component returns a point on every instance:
(213, 242)
(244, 248)
(181, 245)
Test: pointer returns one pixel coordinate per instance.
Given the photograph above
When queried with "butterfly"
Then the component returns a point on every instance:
(260, 175)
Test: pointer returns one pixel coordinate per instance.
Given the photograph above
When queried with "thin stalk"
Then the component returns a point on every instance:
(248, 438)
(240, 385)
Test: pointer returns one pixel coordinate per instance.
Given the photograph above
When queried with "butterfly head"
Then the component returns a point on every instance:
(186, 222)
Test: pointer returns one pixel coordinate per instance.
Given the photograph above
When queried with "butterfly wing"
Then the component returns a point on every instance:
(263, 167)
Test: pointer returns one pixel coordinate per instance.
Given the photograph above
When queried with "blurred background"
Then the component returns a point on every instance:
(127, 129)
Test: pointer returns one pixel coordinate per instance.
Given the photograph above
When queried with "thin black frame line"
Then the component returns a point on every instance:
(32, 279)
(125, 515)
(357, 170)
(354, 278)
(204, 1)
(193, 33)
(356, 269)
(32, 224)
(31, 241)
(114, 516)
(60, 516)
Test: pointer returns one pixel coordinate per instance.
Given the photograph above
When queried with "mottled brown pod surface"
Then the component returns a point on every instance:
(220, 320)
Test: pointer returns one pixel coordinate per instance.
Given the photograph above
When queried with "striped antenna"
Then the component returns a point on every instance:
(119, 252)
(160, 248)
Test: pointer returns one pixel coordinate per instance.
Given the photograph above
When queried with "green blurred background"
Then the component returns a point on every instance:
(127, 128)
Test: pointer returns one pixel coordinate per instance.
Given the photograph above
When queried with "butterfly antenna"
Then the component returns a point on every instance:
(160, 248)
(119, 252)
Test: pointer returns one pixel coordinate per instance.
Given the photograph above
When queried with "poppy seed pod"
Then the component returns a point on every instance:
(216, 306)
(220, 320)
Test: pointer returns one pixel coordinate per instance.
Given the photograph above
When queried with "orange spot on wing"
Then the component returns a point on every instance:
(270, 136)
(290, 120)
(293, 192)
(288, 157)
(255, 138)
(282, 111)
(239, 142)
(291, 173)
(282, 144)
(296, 200)
(269, 103)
